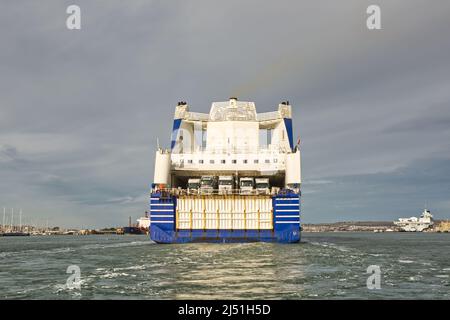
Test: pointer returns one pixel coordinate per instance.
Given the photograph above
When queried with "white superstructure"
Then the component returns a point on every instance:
(416, 224)
(232, 138)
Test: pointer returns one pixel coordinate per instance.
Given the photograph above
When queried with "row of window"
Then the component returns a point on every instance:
(256, 161)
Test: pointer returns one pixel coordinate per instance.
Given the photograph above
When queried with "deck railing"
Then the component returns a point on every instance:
(185, 192)
(200, 151)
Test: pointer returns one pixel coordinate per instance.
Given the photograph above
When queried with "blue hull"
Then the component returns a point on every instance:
(286, 223)
(224, 236)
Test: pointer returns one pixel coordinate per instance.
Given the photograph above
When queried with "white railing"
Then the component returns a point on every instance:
(197, 116)
(272, 149)
(268, 116)
(199, 192)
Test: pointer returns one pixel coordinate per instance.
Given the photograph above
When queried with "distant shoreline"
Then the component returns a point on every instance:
(343, 226)
(359, 226)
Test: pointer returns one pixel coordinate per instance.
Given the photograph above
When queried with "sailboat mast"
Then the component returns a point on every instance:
(20, 220)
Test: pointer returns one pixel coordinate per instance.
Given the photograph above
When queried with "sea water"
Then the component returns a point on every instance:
(322, 266)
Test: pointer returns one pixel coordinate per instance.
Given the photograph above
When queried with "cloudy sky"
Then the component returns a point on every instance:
(80, 110)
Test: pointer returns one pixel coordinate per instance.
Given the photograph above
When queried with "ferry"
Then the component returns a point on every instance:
(230, 175)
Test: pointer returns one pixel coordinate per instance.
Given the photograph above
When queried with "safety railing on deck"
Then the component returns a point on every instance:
(271, 149)
(268, 116)
(187, 192)
(275, 191)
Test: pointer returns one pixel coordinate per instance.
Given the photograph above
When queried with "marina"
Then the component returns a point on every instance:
(12, 230)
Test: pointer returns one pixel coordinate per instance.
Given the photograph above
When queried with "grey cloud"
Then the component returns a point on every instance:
(382, 196)
(7, 153)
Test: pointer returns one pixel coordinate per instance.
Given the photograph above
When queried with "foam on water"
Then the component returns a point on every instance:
(405, 261)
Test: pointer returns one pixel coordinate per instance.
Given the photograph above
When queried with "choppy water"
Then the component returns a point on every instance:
(324, 265)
